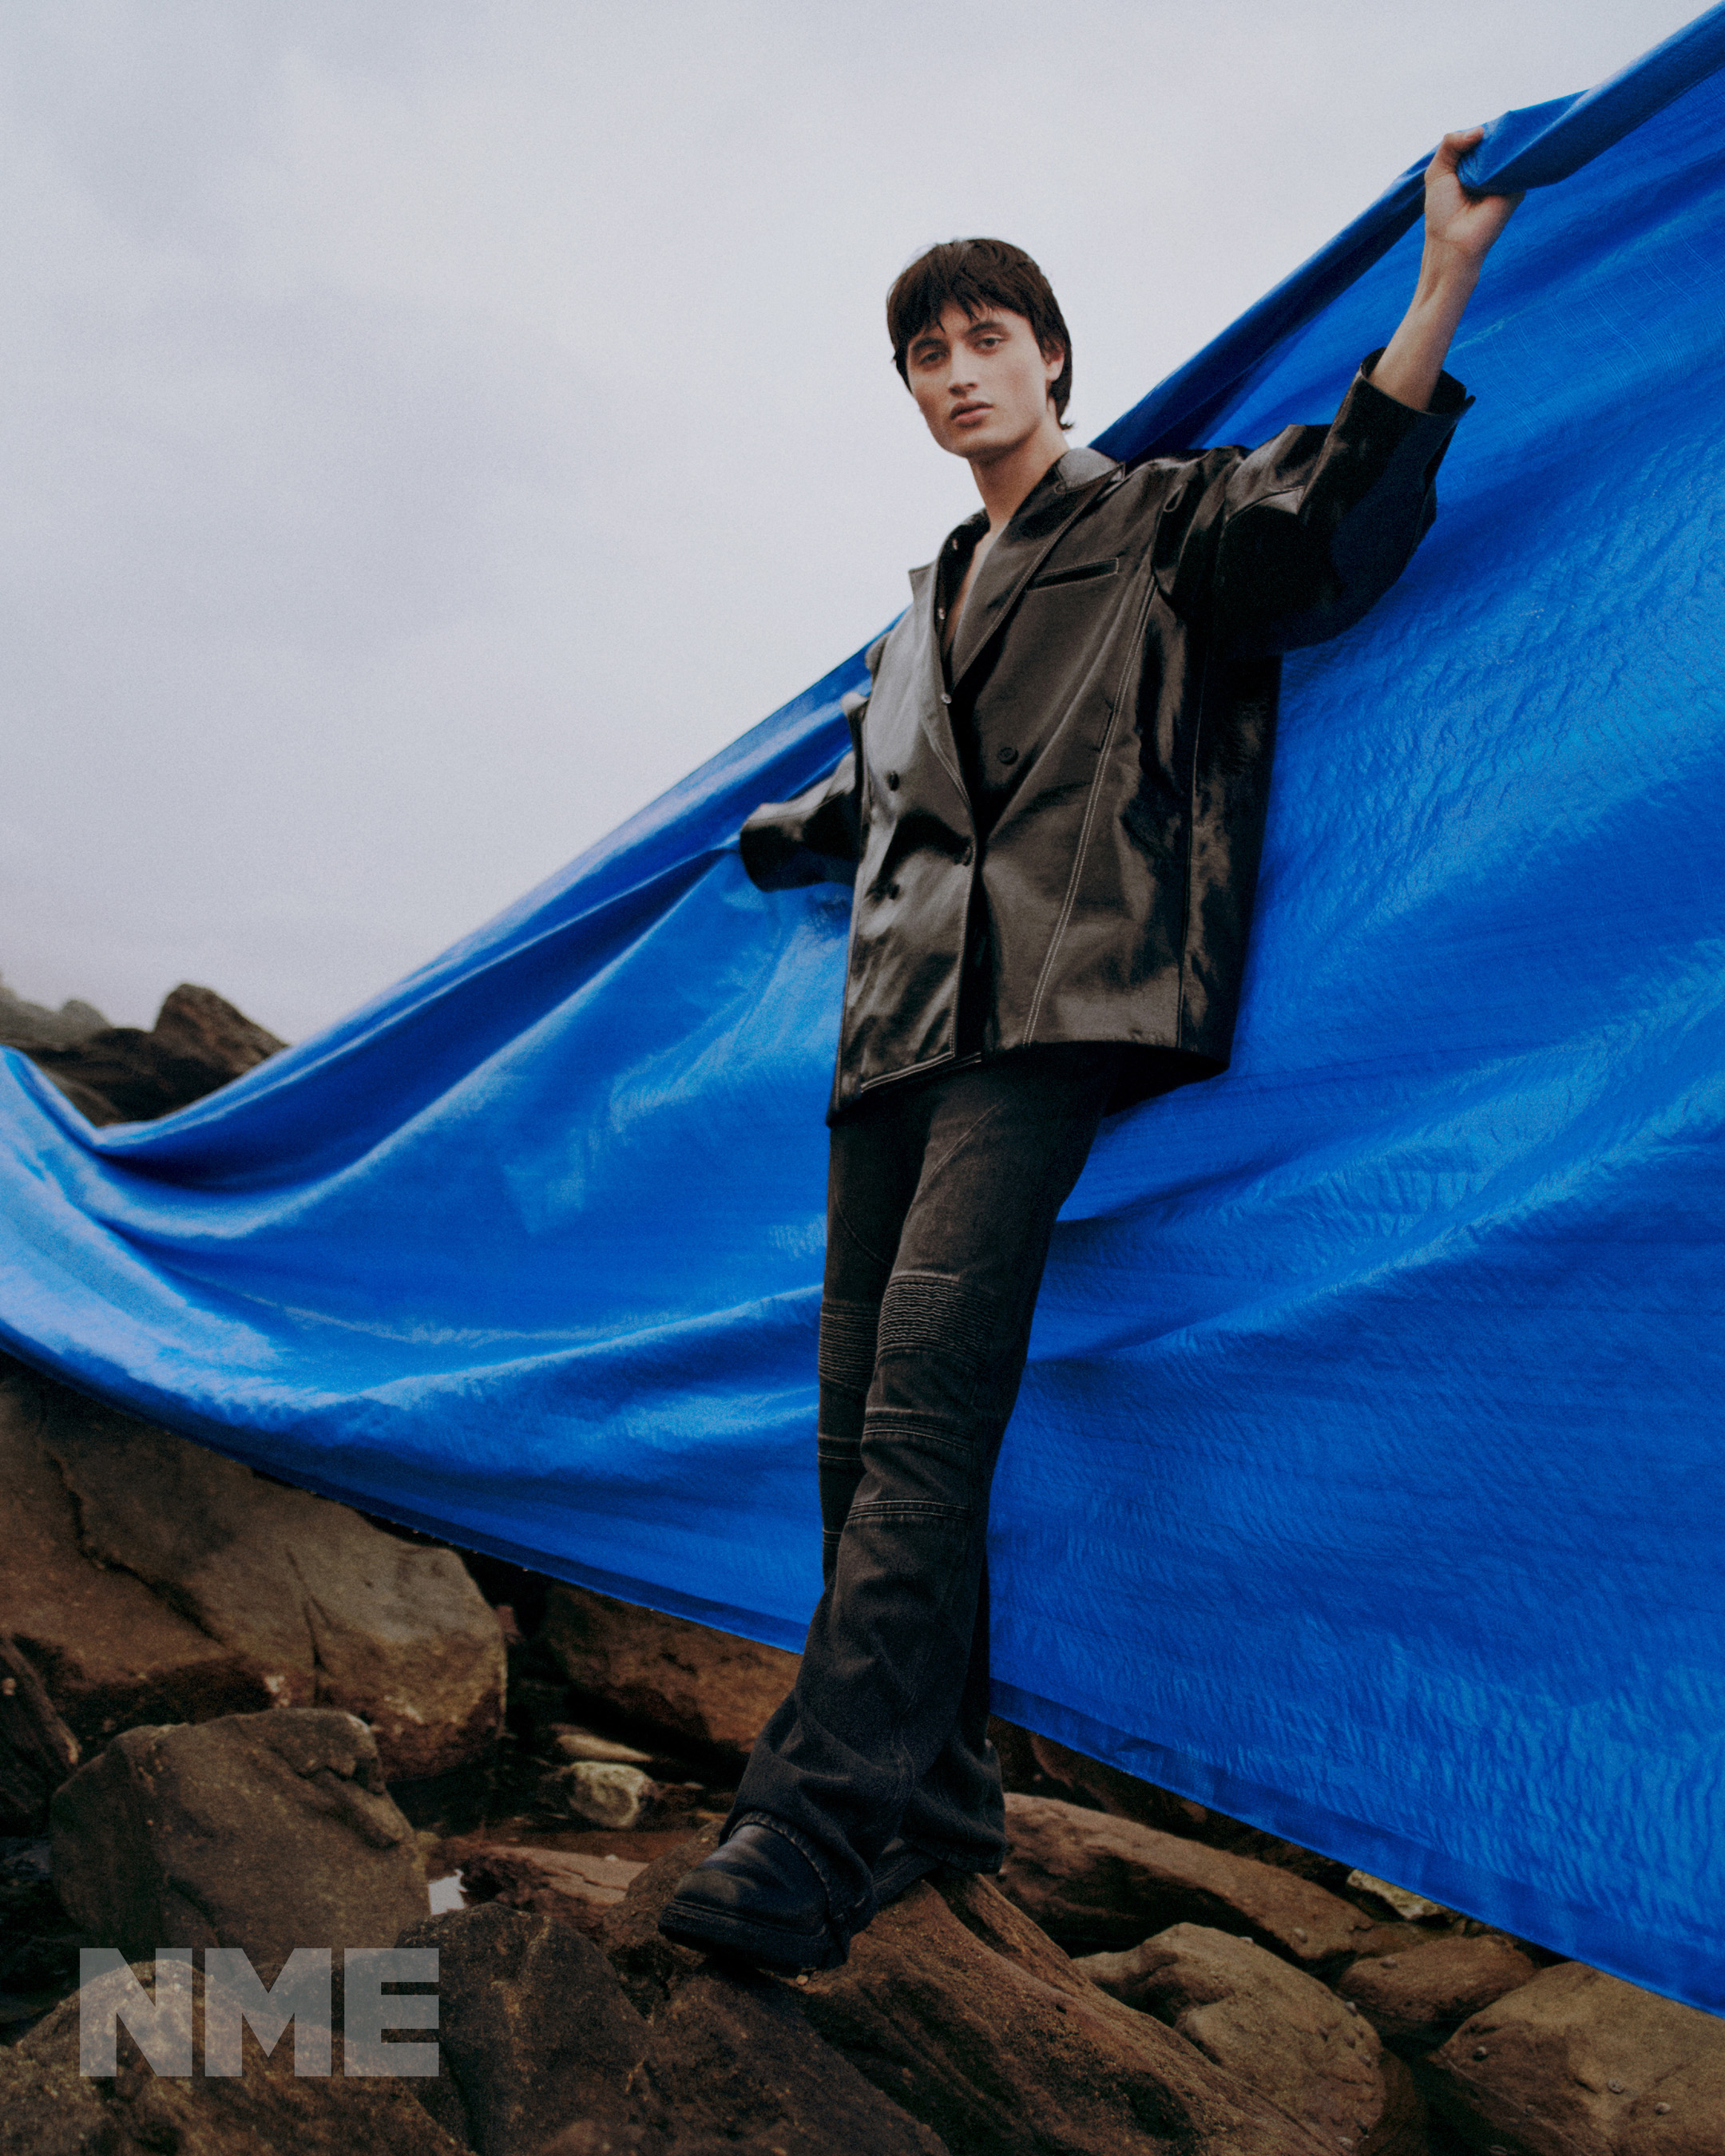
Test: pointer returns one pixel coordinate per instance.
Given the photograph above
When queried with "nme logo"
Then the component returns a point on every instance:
(234, 1993)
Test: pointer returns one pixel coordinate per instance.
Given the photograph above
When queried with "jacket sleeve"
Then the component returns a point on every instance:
(817, 837)
(1292, 542)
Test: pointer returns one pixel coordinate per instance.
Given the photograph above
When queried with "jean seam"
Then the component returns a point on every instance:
(861, 1242)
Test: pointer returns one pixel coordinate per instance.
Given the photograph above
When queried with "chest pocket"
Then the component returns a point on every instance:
(1081, 573)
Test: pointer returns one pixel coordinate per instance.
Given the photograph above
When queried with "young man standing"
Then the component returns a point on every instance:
(1053, 813)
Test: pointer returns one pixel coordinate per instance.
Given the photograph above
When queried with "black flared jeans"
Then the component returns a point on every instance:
(942, 1199)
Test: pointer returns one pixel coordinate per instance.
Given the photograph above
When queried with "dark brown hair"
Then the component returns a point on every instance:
(976, 275)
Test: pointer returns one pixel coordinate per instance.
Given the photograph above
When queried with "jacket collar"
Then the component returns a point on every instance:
(1068, 485)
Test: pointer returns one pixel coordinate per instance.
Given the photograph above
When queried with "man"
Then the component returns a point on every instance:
(1053, 813)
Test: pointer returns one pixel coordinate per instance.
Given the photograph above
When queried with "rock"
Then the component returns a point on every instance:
(1576, 2063)
(956, 2005)
(1417, 1996)
(108, 1653)
(571, 1742)
(731, 2056)
(37, 1750)
(1037, 1766)
(668, 1678)
(95, 1108)
(601, 1792)
(285, 1598)
(38, 1944)
(199, 1043)
(533, 2030)
(1411, 1908)
(48, 2108)
(1095, 1882)
(33, 1025)
(568, 1885)
(649, 1967)
(266, 1832)
(1277, 2029)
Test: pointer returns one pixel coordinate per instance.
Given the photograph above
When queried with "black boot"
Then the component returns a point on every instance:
(759, 1897)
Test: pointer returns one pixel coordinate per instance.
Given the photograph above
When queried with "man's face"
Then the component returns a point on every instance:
(981, 384)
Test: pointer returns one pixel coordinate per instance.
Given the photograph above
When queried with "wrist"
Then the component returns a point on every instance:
(1447, 276)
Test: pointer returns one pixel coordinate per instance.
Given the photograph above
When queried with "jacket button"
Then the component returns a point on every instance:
(945, 698)
(967, 857)
(892, 782)
(1006, 755)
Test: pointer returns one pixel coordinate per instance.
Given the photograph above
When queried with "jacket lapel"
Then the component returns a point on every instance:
(1068, 489)
(934, 700)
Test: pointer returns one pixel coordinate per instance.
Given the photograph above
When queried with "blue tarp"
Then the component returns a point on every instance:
(1367, 1479)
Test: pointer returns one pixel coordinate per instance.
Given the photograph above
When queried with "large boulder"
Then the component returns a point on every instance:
(199, 1043)
(533, 2030)
(698, 1689)
(160, 1581)
(1576, 2063)
(1415, 1997)
(49, 2107)
(1097, 1883)
(265, 1832)
(730, 2055)
(107, 1652)
(1277, 2029)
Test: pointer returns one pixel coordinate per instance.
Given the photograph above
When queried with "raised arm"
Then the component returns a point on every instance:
(1461, 230)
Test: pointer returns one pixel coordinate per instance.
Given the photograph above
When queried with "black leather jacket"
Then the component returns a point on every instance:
(1113, 690)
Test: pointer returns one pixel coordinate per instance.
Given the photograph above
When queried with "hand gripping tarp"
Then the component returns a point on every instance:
(1367, 1482)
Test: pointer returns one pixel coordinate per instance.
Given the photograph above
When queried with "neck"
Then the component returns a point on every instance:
(1004, 481)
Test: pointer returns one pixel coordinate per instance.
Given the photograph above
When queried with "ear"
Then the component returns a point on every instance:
(1054, 359)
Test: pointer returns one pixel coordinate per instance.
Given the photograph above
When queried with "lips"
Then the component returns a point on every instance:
(971, 411)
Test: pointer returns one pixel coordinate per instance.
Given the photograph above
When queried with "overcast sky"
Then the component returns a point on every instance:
(431, 428)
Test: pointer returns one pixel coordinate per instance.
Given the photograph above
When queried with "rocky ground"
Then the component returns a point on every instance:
(235, 1715)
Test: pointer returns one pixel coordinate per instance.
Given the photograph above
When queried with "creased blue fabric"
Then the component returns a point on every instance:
(1367, 1480)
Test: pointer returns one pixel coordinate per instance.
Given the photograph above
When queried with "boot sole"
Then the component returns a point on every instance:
(768, 1946)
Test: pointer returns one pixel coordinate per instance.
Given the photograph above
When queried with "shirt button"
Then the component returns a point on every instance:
(892, 782)
(945, 698)
(1006, 755)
